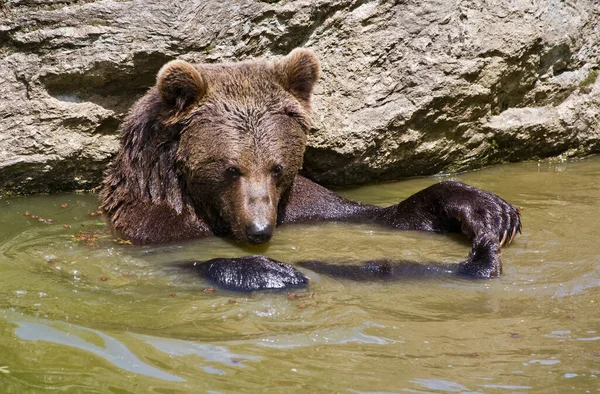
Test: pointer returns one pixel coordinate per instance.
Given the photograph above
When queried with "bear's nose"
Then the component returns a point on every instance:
(258, 233)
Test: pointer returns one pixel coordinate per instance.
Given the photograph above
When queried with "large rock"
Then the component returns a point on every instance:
(408, 88)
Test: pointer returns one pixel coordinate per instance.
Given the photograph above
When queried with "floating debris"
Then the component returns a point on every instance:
(90, 237)
(302, 306)
(304, 297)
(96, 213)
(38, 218)
(300, 296)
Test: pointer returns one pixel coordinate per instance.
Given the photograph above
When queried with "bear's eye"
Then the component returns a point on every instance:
(293, 114)
(277, 171)
(233, 173)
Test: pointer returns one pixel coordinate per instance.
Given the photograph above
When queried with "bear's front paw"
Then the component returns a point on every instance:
(252, 273)
(483, 261)
(481, 213)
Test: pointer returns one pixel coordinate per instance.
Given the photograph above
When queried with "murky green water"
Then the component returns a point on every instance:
(112, 318)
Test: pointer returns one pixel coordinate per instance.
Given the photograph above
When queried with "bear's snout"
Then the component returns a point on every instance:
(259, 233)
(254, 219)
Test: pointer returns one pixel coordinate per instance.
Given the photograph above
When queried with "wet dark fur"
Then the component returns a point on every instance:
(169, 180)
(215, 150)
(248, 273)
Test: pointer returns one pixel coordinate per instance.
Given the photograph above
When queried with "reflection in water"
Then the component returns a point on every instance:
(211, 353)
(118, 353)
(580, 284)
(323, 337)
(113, 351)
(453, 387)
(505, 387)
(589, 339)
(213, 370)
(544, 362)
(441, 385)
(140, 327)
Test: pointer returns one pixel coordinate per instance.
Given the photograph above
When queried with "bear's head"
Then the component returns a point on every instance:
(242, 134)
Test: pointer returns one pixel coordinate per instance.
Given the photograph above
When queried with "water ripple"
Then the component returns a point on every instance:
(113, 350)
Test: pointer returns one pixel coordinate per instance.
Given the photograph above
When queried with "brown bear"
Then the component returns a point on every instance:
(215, 149)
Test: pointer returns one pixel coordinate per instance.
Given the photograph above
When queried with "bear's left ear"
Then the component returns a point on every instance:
(298, 72)
(180, 84)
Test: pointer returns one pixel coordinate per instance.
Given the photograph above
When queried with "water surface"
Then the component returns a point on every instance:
(80, 312)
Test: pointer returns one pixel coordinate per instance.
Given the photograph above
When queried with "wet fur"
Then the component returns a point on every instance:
(200, 154)
(166, 182)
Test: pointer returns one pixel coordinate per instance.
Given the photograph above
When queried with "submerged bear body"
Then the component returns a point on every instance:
(216, 150)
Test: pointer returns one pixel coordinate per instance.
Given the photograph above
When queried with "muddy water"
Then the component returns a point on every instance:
(81, 313)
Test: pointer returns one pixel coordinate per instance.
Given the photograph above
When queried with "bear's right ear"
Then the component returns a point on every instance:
(299, 71)
(180, 84)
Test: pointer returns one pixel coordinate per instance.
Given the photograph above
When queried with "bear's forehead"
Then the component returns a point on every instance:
(241, 138)
(243, 150)
(243, 115)
(245, 118)
(252, 79)
(242, 134)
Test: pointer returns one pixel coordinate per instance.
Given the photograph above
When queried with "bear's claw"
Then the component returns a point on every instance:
(480, 212)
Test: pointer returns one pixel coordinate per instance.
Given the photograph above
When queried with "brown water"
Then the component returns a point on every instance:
(112, 318)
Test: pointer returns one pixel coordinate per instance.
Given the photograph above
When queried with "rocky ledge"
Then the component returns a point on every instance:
(408, 88)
